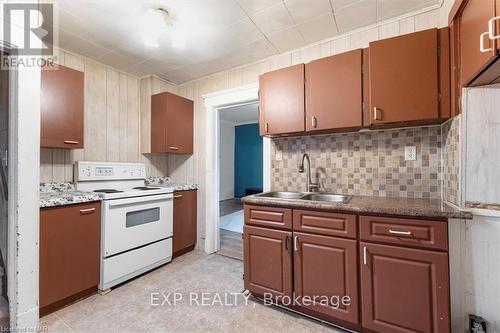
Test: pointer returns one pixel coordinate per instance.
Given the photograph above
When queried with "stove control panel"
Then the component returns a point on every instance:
(88, 171)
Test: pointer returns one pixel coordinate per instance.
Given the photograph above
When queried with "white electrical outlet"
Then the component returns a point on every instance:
(278, 156)
(410, 153)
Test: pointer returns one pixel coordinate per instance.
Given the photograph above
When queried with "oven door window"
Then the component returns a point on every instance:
(144, 216)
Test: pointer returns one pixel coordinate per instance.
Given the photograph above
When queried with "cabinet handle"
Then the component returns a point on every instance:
(491, 28)
(364, 255)
(87, 211)
(314, 122)
(286, 243)
(266, 127)
(70, 142)
(376, 114)
(481, 43)
(173, 148)
(295, 247)
(178, 196)
(397, 232)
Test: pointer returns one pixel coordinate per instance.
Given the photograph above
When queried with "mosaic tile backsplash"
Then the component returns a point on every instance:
(450, 132)
(365, 163)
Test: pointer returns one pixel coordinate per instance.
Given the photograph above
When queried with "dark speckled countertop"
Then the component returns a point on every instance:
(371, 205)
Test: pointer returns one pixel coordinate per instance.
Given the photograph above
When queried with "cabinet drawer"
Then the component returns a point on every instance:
(324, 223)
(423, 233)
(274, 217)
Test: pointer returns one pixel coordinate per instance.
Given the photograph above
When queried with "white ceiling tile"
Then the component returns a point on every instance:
(158, 66)
(219, 34)
(248, 53)
(213, 12)
(336, 4)
(302, 11)
(359, 14)
(119, 59)
(231, 37)
(253, 6)
(286, 40)
(76, 44)
(273, 19)
(319, 28)
(391, 8)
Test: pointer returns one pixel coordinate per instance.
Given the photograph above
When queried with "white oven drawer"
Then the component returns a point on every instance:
(133, 222)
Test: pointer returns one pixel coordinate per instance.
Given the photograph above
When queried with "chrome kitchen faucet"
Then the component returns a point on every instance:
(310, 185)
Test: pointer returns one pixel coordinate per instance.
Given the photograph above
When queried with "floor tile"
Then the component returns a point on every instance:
(201, 281)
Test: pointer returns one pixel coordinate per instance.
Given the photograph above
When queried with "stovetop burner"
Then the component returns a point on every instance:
(107, 190)
(145, 188)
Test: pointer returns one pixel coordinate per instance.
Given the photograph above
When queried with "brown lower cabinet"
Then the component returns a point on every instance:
(69, 254)
(268, 261)
(404, 290)
(327, 266)
(185, 206)
(391, 288)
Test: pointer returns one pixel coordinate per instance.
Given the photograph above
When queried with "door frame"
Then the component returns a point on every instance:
(213, 103)
(23, 161)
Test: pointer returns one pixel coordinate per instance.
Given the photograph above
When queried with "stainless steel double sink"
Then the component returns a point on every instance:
(319, 196)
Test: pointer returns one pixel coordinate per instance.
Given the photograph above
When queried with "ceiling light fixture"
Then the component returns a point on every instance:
(155, 23)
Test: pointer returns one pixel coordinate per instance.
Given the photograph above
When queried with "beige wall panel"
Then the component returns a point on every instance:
(112, 115)
(133, 120)
(95, 111)
(123, 125)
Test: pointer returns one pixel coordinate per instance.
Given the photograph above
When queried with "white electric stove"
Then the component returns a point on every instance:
(136, 220)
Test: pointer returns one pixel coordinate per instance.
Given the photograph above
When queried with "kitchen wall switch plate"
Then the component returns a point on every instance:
(278, 156)
(410, 153)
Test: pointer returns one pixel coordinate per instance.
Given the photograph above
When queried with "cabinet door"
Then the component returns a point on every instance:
(473, 24)
(404, 290)
(327, 266)
(267, 260)
(69, 251)
(185, 207)
(179, 125)
(158, 123)
(334, 92)
(281, 95)
(404, 78)
(61, 108)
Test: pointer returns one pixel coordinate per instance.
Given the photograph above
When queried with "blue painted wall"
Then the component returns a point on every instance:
(247, 158)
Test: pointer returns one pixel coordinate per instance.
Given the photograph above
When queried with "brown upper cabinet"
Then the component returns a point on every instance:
(171, 124)
(398, 81)
(61, 108)
(334, 92)
(404, 79)
(281, 95)
(476, 42)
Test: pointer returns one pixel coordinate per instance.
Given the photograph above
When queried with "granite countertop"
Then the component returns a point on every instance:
(60, 194)
(167, 182)
(371, 205)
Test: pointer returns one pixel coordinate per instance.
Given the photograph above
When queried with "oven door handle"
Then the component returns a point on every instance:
(138, 200)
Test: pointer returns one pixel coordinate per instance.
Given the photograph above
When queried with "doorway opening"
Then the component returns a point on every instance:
(240, 172)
